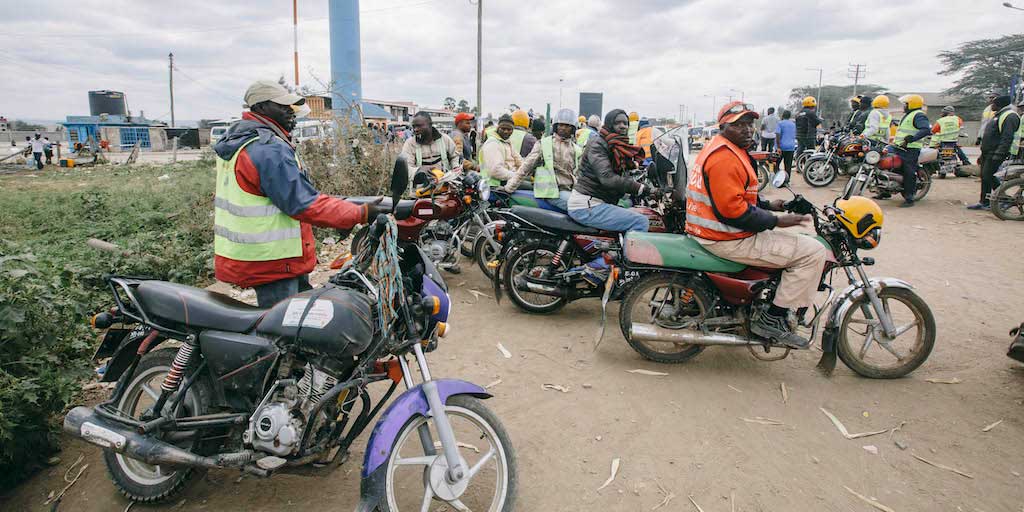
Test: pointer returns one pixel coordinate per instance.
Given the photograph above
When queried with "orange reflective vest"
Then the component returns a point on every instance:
(701, 220)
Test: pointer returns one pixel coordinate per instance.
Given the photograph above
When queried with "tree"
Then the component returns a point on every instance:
(984, 66)
(834, 103)
(22, 126)
(463, 106)
(449, 103)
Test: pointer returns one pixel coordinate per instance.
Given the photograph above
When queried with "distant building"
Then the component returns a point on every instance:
(122, 132)
(320, 109)
(401, 111)
(443, 119)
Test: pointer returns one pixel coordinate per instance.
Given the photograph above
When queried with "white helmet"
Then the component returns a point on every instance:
(564, 116)
(593, 121)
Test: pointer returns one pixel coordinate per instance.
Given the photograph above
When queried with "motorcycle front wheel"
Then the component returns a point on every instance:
(863, 346)
(415, 475)
(820, 173)
(1008, 200)
(764, 176)
(663, 300)
(484, 253)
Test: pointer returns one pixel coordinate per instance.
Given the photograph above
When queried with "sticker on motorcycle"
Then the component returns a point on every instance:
(320, 314)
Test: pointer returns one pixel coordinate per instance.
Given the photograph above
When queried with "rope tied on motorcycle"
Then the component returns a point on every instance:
(385, 270)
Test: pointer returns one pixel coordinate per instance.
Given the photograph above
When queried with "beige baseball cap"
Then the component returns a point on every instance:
(266, 90)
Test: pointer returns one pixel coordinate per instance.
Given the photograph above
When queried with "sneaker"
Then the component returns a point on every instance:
(595, 272)
(907, 203)
(776, 329)
(979, 206)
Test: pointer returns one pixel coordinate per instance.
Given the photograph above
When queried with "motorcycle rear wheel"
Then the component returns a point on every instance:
(924, 184)
(135, 479)
(820, 173)
(764, 176)
(854, 352)
(1008, 200)
(484, 254)
(646, 301)
(531, 255)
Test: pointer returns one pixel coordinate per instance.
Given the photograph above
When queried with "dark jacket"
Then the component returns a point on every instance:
(858, 121)
(807, 122)
(597, 177)
(997, 142)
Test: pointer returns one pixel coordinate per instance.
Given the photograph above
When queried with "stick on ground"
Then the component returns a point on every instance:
(869, 501)
(941, 466)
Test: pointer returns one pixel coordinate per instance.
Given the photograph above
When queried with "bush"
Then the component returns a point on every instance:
(348, 163)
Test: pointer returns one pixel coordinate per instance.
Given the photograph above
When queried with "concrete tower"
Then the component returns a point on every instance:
(346, 66)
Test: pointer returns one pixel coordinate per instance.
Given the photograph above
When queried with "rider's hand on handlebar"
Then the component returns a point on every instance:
(373, 209)
(777, 205)
(790, 220)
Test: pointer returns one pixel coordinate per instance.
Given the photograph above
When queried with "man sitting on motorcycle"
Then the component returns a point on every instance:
(726, 216)
(947, 129)
(498, 159)
(552, 163)
(912, 128)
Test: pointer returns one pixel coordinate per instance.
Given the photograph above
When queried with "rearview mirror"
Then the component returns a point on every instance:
(779, 180)
(399, 181)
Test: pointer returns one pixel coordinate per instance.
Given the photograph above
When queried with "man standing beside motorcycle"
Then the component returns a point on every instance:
(265, 204)
(876, 127)
(552, 163)
(947, 129)
(464, 144)
(726, 216)
(995, 146)
(807, 122)
(912, 128)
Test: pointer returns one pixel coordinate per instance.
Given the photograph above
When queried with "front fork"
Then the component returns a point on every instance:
(449, 446)
(876, 303)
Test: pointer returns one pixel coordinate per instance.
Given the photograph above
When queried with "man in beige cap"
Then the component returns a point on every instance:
(265, 205)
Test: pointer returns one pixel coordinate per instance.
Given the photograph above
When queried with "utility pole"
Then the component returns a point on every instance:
(170, 72)
(479, 64)
(856, 72)
(295, 38)
(560, 83)
(818, 97)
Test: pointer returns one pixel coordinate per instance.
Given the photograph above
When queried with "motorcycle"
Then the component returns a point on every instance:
(486, 246)
(766, 161)
(949, 162)
(679, 298)
(880, 173)
(285, 389)
(844, 154)
(1007, 199)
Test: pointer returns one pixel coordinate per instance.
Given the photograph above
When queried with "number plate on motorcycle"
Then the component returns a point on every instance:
(101, 436)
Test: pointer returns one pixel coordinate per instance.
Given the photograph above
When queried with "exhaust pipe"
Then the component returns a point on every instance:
(656, 334)
(543, 289)
(85, 424)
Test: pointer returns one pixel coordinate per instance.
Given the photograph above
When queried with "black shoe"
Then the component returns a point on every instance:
(776, 329)
(883, 195)
(1016, 350)
(907, 203)
(979, 206)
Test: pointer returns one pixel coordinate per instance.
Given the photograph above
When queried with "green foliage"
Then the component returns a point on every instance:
(984, 66)
(348, 162)
(834, 103)
(24, 126)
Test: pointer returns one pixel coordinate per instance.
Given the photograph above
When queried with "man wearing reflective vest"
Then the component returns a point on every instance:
(947, 129)
(265, 204)
(552, 163)
(995, 146)
(1018, 138)
(634, 127)
(591, 128)
(912, 128)
(522, 140)
(499, 160)
(726, 216)
(876, 127)
(429, 148)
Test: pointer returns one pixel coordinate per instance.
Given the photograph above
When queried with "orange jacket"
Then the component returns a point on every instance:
(644, 139)
(721, 195)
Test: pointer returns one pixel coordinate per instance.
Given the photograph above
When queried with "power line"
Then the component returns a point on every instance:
(856, 72)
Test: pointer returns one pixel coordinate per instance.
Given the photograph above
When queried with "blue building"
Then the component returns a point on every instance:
(122, 132)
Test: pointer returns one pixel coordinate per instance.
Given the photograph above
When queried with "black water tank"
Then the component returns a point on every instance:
(107, 102)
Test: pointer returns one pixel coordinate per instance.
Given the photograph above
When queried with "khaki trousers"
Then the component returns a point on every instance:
(802, 257)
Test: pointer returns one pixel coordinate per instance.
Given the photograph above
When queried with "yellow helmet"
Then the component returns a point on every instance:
(880, 101)
(582, 120)
(521, 118)
(425, 181)
(809, 101)
(863, 218)
(912, 101)
(633, 116)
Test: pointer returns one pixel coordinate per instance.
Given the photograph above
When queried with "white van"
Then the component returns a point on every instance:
(311, 130)
(216, 133)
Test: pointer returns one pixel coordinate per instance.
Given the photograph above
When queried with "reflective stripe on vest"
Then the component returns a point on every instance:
(1018, 140)
(701, 220)
(583, 135)
(545, 184)
(516, 139)
(906, 129)
(1002, 118)
(444, 154)
(248, 227)
(884, 120)
(634, 126)
(949, 129)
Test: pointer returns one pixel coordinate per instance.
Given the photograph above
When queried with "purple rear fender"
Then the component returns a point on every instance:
(408, 405)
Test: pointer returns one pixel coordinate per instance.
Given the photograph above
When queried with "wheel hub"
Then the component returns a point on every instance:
(443, 489)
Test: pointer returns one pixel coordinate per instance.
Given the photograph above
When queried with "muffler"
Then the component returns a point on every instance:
(85, 424)
(656, 334)
(543, 289)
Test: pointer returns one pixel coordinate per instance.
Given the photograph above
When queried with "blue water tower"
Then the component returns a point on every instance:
(346, 67)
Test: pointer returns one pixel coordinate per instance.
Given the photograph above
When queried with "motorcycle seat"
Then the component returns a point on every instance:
(404, 210)
(553, 220)
(196, 307)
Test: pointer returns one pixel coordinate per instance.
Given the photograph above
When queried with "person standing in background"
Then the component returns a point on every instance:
(48, 150)
(786, 136)
(769, 127)
(807, 122)
(995, 146)
(38, 146)
(986, 116)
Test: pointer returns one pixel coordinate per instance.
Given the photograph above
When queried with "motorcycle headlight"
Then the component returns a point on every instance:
(485, 190)
(872, 157)
(870, 240)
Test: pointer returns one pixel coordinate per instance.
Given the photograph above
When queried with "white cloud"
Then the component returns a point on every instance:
(650, 55)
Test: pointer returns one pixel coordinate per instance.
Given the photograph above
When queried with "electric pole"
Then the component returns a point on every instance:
(856, 72)
(295, 38)
(479, 64)
(170, 72)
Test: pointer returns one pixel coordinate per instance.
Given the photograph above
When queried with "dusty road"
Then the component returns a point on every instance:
(684, 433)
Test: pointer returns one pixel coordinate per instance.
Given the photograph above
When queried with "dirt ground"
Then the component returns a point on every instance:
(684, 433)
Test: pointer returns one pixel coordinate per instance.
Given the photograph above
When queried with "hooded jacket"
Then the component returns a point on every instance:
(597, 175)
(268, 168)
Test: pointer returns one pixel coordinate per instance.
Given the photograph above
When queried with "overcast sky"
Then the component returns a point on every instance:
(645, 55)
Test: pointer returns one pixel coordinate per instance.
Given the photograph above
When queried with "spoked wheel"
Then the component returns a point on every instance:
(485, 253)
(135, 479)
(1008, 200)
(470, 233)
(820, 173)
(865, 348)
(663, 300)
(533, 259)
(764, 176)
(800, 164)
(415, 478)
(924, 184)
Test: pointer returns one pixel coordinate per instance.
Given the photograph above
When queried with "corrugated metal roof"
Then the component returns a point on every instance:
(375, 112)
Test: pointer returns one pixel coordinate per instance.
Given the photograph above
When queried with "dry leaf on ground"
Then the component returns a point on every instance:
(954, 380)
(842, 428)
(869, 501)
(647, 372)
(615, 471)
(555, 387)
(991, 426)
(763, 421)
(491, 385)
(941, 466)
(504, 351)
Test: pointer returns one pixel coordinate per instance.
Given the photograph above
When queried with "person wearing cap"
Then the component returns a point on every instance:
(727, 217)
(522, 140)
(947, 129)
(592, 127)
(995, 146)
(552, 163)
(265, 205)
(986, 116)
(464, 140)
(499, 160)
(428, 148)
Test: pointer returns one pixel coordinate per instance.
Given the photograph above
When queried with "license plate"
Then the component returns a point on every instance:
(947, 152)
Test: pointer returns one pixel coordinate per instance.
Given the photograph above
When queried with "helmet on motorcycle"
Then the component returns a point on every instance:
(521, 118)
(425, 180)
(809, 101)
(564, 116)
(863, 218)
(880, 101)
(912, 101)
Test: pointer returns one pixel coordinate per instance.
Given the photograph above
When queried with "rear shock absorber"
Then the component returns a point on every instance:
(559, 254)
(179, 366)
(687, 296)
